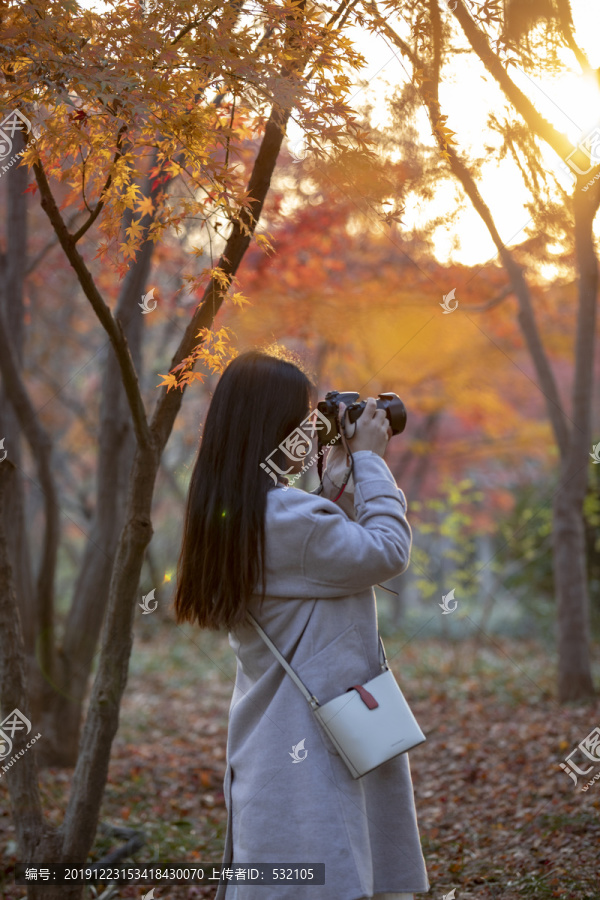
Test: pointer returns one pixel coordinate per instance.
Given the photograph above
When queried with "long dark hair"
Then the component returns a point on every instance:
(259, 400)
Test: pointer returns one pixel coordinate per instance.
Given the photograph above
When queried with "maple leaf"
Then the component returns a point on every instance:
(190, 377)
(145, 206)
(121, 267)
(220, 276)
(169, 381)
(159, 181)
(135, 230)
(263, 241)
(173, 168)
(78, 117)
(390, 217)
(490, 12)
(102, 249)
(129, 252)
(130, 194)
(445, 135)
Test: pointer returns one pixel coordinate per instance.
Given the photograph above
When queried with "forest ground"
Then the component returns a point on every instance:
(498, 817)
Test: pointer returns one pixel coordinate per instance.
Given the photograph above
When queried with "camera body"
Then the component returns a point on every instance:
(393, 405)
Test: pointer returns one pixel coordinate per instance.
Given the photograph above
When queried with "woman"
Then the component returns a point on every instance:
(305, 568)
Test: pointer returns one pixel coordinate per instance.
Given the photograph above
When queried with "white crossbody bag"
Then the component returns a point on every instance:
(369, 724)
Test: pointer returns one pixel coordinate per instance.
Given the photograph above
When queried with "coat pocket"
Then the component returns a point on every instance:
(340, 664)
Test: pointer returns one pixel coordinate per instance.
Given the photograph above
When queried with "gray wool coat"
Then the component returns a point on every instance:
(321, 565)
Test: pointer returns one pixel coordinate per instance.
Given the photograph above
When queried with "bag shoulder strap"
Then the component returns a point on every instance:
(295, 678)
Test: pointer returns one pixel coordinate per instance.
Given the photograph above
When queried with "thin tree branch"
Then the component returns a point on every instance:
(187, 28)
(479, 42)
(507, 291)
(37, 259)
(343, 10)
(100, 204)
(394, 36)
(566, 24)
(527, 318)
(112, 328)
(135, 841)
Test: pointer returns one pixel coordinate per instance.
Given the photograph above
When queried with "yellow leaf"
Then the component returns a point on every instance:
(264, 242)
(169, 381)
(135, 229)
(145, 206)
(173, 168)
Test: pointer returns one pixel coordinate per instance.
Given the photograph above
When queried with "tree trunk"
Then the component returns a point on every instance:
(19, 419)
(570, 578)
(38, 841)
(14, 265)
(63, 701)
(570, 568)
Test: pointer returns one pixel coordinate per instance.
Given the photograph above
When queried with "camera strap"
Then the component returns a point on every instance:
(350, 469)
(341, 425)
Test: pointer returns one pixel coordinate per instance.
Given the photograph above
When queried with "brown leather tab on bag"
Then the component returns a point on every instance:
(367, 698)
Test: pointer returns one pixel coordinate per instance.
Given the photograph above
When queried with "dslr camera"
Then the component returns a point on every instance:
(393, 405)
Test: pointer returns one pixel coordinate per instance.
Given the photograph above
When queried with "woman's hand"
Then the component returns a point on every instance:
(372, 430)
